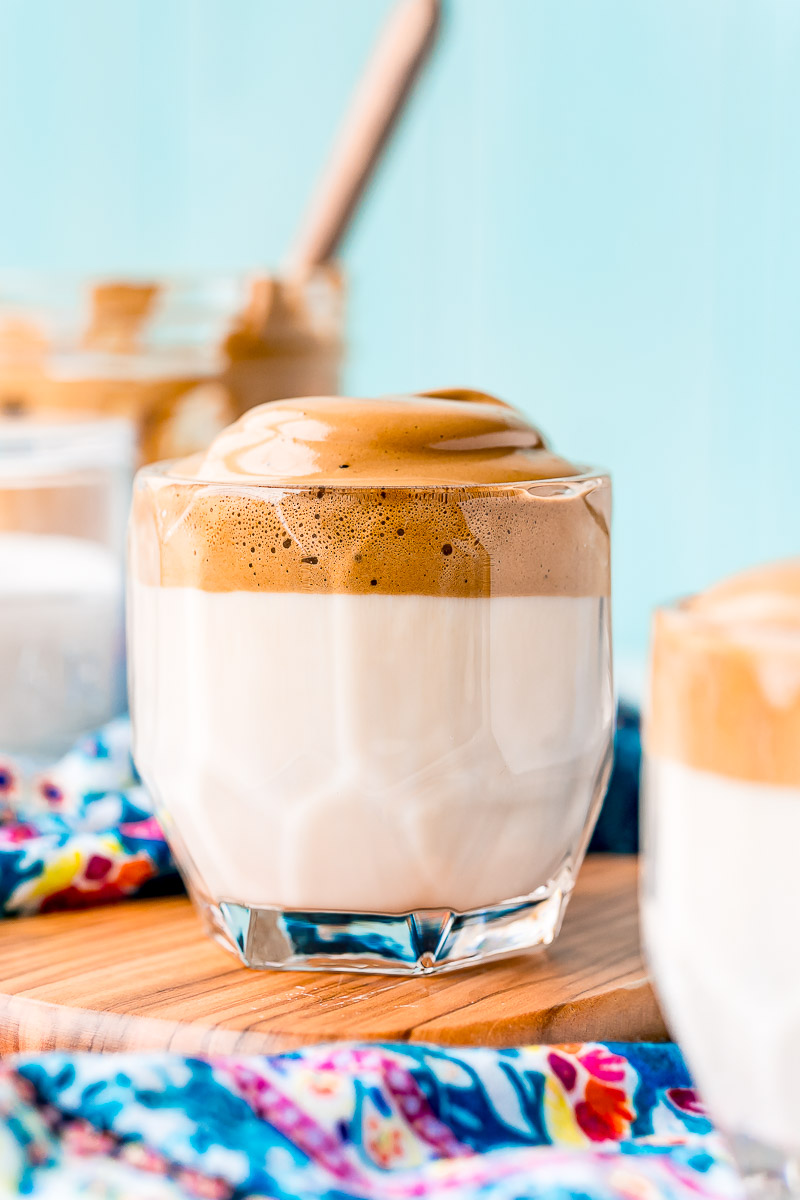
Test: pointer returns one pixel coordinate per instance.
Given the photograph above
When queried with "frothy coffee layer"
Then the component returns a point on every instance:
(420, 495)
(725, 690)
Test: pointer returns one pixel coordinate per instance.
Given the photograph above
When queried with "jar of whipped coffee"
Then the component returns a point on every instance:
(371, 680)
(179, 357)
(64, 498)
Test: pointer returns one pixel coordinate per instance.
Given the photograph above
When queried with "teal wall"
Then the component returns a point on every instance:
(592, 210)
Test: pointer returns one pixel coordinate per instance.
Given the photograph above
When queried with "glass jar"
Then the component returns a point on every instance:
(377, 722)
(64, 498)
(179, 357)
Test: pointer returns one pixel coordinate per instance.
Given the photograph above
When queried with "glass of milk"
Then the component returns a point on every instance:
(64, 496)
(721, 893)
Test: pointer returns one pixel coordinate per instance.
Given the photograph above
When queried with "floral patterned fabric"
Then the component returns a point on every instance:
(355, 1121)
(390, 1122)
(84, 833)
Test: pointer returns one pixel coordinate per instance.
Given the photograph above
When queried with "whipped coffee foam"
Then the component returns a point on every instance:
(725, 691)
(507, 518)
(371, 654)
(455, 437)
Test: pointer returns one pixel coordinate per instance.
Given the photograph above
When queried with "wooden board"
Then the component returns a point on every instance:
(143, 975)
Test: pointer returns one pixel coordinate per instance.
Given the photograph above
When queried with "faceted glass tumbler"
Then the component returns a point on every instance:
(377, 723)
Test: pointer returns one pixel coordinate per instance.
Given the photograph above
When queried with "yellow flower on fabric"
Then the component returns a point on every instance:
(559, 1116)
(12, 1163)
(58, 873)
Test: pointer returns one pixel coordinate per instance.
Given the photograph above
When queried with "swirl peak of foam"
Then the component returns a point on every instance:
(454, 437)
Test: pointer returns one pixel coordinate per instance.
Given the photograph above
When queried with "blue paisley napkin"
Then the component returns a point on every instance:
(589, 1122)
(81, 833)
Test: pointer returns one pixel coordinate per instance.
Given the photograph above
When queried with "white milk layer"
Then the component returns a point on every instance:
(61, 640)
(371, 753)
(721, 910)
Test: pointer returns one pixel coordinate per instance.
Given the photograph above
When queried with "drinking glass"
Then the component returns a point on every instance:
(376, 721)
(721, 884)
(64, 497)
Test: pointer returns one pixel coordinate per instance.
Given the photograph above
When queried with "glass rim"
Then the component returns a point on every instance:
(597, 476)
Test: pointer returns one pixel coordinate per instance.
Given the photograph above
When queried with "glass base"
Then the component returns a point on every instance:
(415, 943)
(767, 1173)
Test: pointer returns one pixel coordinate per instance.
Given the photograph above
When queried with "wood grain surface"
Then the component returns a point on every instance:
(142, 975)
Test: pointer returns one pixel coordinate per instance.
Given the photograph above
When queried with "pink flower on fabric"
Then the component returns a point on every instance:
(204, 1186)
(51, 792)
(137, 1154)
(82, 1138)
(16, 832)
(323, 1083)
(686, 1100)
(98, 867)
(384, 1144)
(148, 829)
(586, 1073)
(602, 1064)
(563, 1070)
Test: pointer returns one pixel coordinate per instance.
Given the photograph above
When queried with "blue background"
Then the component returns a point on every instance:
(592, 210)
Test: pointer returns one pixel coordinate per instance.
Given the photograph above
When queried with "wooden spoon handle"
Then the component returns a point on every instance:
(379, 99)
